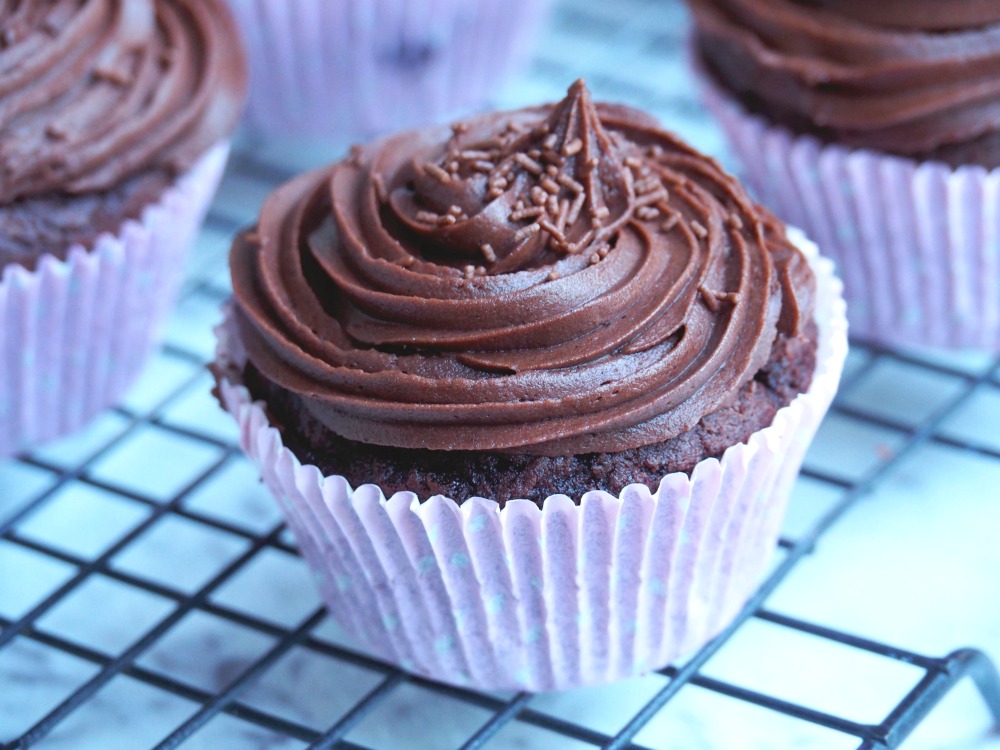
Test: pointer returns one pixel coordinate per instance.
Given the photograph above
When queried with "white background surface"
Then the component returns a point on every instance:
(914, 564)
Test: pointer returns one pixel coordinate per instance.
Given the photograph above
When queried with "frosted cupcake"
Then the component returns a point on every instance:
(348, 70)
(113, 131)
(582, 365)
(875, 126)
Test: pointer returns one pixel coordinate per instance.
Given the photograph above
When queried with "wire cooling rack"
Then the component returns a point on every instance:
(151, 597)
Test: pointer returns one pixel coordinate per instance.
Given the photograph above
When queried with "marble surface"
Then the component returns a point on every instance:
(165, 510)
(913, 565)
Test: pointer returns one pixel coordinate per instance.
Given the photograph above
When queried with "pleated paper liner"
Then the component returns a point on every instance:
(75, 333)
(916, 243)
(353, 69)
(557, 597)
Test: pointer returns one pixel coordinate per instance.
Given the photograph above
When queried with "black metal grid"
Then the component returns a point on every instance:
(657, 32)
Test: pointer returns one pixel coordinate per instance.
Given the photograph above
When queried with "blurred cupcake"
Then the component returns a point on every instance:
(875, 126)
(349, 70)
(582, 365)
(113, 130)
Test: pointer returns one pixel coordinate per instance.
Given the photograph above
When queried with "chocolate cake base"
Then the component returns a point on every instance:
(506, 476)
(51, 225)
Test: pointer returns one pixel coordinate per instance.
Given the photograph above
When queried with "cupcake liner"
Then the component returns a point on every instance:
(74, 333)
(359, 68)
(557, 597)
(916, 243)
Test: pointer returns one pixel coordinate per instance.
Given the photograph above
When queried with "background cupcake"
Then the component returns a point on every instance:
(876, 128)
(113, 128)
(562, 310)
(341, 71)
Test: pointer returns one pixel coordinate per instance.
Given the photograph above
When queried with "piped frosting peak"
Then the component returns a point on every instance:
(555, 280)
(561, 186)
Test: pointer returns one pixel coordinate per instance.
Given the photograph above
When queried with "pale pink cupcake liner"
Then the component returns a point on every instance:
(524, 598)
(916, 243)
(74, 333)
(353, 69)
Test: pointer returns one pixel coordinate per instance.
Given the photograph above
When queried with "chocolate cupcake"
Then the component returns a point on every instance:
(113, 129)
(580, 362)
(353, 69)
(876, 128)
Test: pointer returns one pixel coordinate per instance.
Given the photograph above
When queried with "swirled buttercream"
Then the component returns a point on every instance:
(550, 281)
(94, 91)
(917, 78)
(102, 103)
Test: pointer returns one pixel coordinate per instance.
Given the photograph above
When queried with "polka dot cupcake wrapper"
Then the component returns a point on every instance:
(917, 244)
(557, 597)
(358, 68)
(75, 333)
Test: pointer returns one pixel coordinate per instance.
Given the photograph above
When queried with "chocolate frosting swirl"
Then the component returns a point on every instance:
(553, 281)
(917, 78)
(93, 92)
